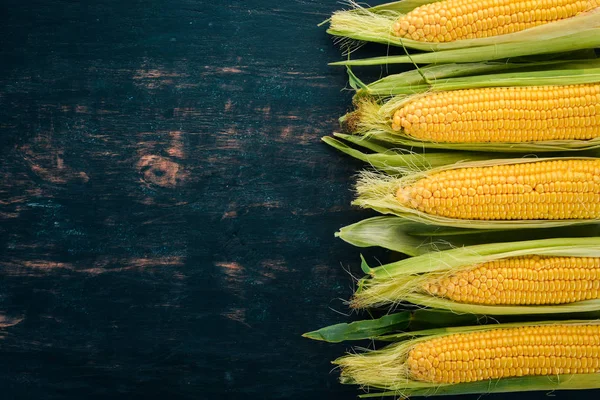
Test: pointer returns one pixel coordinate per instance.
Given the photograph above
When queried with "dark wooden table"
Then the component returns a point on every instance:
(166, 207)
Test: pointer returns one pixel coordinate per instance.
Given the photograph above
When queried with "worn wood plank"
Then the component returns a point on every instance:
(166, 207)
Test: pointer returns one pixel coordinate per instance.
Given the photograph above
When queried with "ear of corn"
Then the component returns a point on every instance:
(531, 111)
(464, 31)
(549, 116)
(413, 239)
(492, 194)
(388, 25)
(483, 359)
(548, 276)
(452, 20)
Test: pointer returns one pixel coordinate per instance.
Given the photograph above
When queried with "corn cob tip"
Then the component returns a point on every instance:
(350, 122)
(403, 195)
(368, 116)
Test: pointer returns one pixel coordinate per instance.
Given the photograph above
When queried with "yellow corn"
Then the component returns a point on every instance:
(503, 114)
(525, 280)
(545, 190)
(451, 20)
(503, 353)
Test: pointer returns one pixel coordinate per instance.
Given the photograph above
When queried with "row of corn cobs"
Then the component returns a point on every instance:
(484, 160)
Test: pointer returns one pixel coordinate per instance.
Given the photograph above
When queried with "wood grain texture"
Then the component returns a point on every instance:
(166, 207)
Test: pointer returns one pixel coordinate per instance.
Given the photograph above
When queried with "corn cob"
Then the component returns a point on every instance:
(451, 20)
(491, 194)
(503, 353)
(537, 356)
(550, 190)
(470, 31)
(523, 281)
(513, 114)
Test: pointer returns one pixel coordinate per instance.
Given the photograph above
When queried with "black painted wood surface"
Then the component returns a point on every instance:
(166, 207)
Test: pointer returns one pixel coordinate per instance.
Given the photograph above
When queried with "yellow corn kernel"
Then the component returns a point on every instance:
(503, 114)
(544, 280)
(451, 20)
(505, 353)
(544, 190)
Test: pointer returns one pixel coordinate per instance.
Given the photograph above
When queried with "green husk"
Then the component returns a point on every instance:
(426, 320)
(522, 384)
(396, 161)
(387, 326)
(579, 40)
(403, 6)
(361, 329)
(376, 146)
(513, 322)
(386, 369)
(421, 79)
(479, 75)
(548, 146)
(413, 239)
(374, 25)
(402, 281)
(377, 191)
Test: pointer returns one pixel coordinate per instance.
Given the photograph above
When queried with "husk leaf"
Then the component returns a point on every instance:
(478, 75)
(361, 329)
(586, 39)
(399, 161)
(412, 238)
